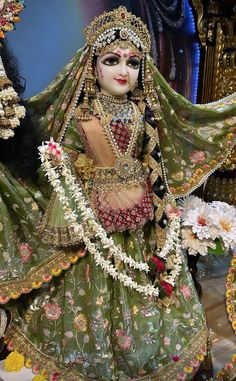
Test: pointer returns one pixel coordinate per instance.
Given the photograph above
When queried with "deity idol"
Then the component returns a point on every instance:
(113, 297)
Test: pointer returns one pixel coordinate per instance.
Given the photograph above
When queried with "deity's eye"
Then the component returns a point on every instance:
(133, 62)
(110, 60)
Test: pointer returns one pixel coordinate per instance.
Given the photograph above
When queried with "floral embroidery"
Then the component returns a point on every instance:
(52, 311)
(123, 340)
(175, 358)
(178, 176)
(80, 323)
(185, 291)
(166, 340)
(197, 157)
(25, 252)
(182, 376)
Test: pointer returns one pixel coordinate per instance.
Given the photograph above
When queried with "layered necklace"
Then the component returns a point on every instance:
(120, 109)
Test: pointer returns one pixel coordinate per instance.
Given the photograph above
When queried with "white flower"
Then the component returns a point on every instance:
(194, 245)
(226, 225)
(189, 203)
(201, 221)
(223, 207)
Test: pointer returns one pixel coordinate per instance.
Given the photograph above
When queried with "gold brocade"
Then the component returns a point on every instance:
(59, 261)
(156, 171)
(56, 235)
(195, 348)
(231, 293)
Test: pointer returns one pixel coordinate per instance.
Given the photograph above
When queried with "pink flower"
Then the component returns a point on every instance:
(228, 366)
(181, 376)
(197, 157)
(52, 311)
(123, 340)
(25, 252)
(36, 369)
(55, 376)
(166, 340)
(172, 212)
(185, 291)
(176, 358)
(195, 363)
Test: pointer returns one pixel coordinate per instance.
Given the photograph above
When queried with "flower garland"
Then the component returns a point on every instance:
(54, 164)
(10, 110)
(9, 14)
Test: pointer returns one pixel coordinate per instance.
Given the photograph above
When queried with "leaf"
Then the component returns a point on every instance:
(219, 250)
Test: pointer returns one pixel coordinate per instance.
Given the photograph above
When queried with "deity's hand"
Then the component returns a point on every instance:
(172, 212)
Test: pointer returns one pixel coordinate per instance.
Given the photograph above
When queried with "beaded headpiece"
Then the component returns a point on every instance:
(103, 30)
(122, 28)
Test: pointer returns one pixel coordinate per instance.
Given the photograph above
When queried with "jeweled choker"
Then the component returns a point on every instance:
(112, 99)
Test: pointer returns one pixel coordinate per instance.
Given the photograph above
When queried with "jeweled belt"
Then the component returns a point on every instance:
(126, 172)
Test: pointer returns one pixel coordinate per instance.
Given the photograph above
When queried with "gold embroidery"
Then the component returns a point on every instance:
(231, 293)
(195, 348)
(40, 274)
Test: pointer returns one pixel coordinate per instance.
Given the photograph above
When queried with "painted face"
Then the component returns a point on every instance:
(117, 71)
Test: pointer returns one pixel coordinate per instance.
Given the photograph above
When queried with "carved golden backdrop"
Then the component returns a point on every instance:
(216, 24)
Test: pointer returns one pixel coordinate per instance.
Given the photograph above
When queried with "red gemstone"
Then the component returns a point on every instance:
(122, 15)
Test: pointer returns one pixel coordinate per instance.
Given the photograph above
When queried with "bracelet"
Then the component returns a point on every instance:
(3, 323)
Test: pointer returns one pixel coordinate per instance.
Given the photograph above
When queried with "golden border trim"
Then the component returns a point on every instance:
(38, 361)
(43, 273)
(231, 293)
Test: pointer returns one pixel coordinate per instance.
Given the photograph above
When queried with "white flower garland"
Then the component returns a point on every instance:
(52, 153)
(9, 97)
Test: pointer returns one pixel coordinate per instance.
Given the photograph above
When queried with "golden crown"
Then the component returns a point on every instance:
(103, 28)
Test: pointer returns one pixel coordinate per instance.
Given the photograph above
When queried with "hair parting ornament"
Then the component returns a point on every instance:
(118, 28)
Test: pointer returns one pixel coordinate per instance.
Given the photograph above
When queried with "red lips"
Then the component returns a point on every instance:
(121, 81)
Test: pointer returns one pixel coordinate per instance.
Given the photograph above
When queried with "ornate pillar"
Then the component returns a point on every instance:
(216, 22)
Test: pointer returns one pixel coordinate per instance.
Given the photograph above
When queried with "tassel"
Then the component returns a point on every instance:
(84, 112)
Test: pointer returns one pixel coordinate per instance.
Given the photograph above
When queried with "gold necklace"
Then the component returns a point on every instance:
(125, 164)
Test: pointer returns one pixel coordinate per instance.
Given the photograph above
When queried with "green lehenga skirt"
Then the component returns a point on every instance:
(81, 324)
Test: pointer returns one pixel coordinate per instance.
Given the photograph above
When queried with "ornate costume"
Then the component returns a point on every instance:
(83, 324)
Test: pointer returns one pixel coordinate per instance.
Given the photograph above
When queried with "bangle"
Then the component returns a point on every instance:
(3, 323)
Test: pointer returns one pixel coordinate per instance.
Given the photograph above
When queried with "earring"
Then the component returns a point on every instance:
(150, 92)
(137, 94)
(85, 112)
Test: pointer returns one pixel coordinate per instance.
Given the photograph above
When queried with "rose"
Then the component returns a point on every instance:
(166, 287)
(159, 264)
